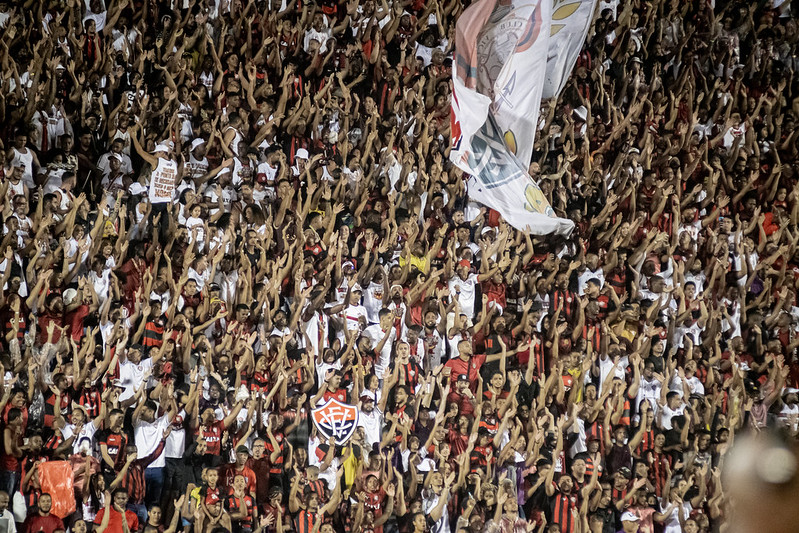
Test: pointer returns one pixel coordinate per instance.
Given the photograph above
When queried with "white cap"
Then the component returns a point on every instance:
(137, 188)
(581, 112)
(302, 153)
(161, 147)
(116, 156)
(368, 394)
(69, 295)
(357, 287)
(629, 516)
(197, 142)
(486, 229)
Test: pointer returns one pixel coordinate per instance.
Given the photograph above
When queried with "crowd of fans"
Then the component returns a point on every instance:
(220, 214)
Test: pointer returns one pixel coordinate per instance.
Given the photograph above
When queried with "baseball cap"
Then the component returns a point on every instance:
(197, 142)
(69, 296)
(161, 147)
(367, 395)
(629, 516)
(465, 263)
(243, 449)
(357, 287)
(463, 377)
(302, 153)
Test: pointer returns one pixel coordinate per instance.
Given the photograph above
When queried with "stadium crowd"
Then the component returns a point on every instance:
(220, 214)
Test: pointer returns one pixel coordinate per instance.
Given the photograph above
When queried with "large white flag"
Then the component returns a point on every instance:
(570, 22)
(500, 59)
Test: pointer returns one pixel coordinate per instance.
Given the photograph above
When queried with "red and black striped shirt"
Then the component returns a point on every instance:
(562, 506)
(133, 481)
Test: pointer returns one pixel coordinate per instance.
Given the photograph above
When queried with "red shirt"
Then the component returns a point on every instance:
(340, 395)
(43, 322)
(213, 437)
(47, 524)
(465, 406)
(495, 292)
(75, 321)
(230, 473)
(471, 368)
(24, 410)
(115, 522)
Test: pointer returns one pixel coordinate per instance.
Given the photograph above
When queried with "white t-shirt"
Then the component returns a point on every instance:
(352, 314)
(131, 376)
(442, 525)
(384, 359)
(7, 522)
(176, 441)
(148, 436)
(464, 291)
(672, 524)
(648, 390)
(192, 223)
(317, 330)
(668, 413)
(87, 432)
(372, 424)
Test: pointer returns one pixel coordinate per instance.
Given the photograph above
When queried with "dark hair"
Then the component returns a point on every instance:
(14, 413)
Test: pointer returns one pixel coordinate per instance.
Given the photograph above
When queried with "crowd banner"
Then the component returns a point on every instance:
(500, 60)
(571, 20)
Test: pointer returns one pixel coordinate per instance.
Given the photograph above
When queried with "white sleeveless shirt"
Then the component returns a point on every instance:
(162, 181)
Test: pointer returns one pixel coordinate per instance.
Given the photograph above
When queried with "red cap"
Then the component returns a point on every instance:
(465, 263)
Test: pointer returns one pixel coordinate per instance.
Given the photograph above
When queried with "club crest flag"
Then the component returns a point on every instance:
(336, 419)
(571, 20)
(500, 65)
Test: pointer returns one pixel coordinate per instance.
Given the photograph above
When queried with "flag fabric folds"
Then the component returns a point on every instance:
(571, 20)
(501, 49)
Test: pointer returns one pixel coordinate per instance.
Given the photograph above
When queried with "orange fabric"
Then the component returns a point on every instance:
(55, 478)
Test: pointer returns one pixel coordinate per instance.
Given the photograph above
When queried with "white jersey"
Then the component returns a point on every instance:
(197, 168)
(373, 301)
(317, 330)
